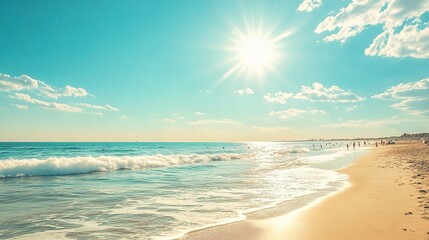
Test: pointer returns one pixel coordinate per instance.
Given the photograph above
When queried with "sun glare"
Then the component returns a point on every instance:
(255, 52)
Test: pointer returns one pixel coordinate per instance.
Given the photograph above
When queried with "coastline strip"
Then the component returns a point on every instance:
(387, 199)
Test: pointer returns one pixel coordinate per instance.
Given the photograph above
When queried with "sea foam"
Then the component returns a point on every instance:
(54, 166)
(77, 165)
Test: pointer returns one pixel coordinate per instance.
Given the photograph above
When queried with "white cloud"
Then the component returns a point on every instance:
(98, 114)
(289, 113)
(309, 5)
(365, 123)
(215, 122)
(68, 91)
(21, 106)
(75, 92)
(410, 41)
(60, 106)
(98, 107)
(124, 117)
(412, 97)
(318, 93)
(177, 116)
(47, 105)
(315, 93)
(247, 91)
(8, 83)
(27, 83)
(279, 97)
(198, 113)
(414, 90)
(404, 33)
(352, 108)
(169, 120)
(294, 112)
(24, 82)
(413, 106)
(270, 129)
(317, 111)
(205, 91)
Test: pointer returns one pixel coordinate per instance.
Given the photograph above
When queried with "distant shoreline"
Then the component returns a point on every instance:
(403, 137)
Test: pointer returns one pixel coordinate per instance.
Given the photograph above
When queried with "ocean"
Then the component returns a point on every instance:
(154, 190)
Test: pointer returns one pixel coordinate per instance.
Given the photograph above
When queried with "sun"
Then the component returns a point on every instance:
(255, 52)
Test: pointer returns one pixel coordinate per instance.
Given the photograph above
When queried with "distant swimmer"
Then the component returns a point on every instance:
(354, 145)
(347, 146)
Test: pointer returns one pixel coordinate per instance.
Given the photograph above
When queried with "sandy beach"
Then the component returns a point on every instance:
(214, 120)
(387, 198)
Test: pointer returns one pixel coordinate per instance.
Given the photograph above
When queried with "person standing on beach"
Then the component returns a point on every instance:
(354, 145)
(376, 144)
(347, 146)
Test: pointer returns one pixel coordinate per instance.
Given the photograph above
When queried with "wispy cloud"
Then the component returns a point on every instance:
(247, 91)
(309, 5)
(169, 120)
(289, 113)
(414, 90)
(215, 122)
(24, 82)
(405, 33)
(68, 91)
(294, 112)
(315, 93)
(205, 91)
(31, 86)
(365, 123)
(177, 116)
(317, 111)
(270, 129)
(318, 93)
(8, 83)
(25, 107)
(279, 97)
(198, 113)
(47, 105)
(78, 108)
(98, 107)
(352, 108)
(412, 97)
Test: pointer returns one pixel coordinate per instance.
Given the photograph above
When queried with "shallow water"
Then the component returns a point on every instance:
(152, 190)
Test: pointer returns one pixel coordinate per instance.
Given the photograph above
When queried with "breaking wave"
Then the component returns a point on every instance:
(76, 165)
(294, 150)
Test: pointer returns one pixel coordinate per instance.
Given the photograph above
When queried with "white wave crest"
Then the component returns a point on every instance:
(75, 165)
(293, 150)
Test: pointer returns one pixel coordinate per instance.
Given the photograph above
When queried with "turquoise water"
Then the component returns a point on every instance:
(151, 190)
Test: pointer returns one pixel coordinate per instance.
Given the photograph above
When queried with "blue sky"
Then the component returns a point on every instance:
(159, 70)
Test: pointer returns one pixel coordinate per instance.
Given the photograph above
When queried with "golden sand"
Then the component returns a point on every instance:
(388, 198)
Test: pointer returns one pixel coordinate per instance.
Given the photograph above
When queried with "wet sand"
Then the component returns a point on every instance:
(387, 198)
